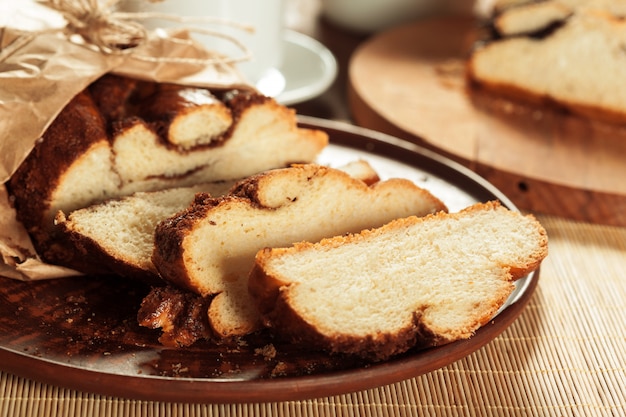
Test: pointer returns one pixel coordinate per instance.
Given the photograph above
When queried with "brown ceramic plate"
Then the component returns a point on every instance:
(81, 333)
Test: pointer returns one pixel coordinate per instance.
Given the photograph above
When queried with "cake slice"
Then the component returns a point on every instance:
(414, 282)
(210, 247)
(574, 64)
(118, 235)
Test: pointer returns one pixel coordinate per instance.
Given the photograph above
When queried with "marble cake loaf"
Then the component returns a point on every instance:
(120, 136)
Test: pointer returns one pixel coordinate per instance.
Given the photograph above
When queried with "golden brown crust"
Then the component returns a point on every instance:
(169, 235)
(76, 129)
(239, 101)
(480, 92)
(264, 288)
(277, 312)
(168, 100)
(249, 189)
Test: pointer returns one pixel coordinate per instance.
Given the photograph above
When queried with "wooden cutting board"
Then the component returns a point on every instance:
(409, 82)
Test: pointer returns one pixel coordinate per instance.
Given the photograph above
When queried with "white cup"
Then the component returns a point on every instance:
(265, 42)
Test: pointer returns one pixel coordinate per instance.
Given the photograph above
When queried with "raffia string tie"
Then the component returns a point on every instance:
(100, 26)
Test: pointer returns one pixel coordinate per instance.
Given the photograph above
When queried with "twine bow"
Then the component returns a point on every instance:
(100, 26)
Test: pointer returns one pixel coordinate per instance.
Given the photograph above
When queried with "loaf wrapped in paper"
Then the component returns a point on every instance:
(42, 70)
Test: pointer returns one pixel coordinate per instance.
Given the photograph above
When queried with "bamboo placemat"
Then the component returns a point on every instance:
(564, 356)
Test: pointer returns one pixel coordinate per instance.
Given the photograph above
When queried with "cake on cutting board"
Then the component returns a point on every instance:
(562, 54)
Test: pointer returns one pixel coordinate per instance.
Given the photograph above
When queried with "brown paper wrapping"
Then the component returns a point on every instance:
(40, 72)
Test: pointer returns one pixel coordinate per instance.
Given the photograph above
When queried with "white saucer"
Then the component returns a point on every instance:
(309, 68)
